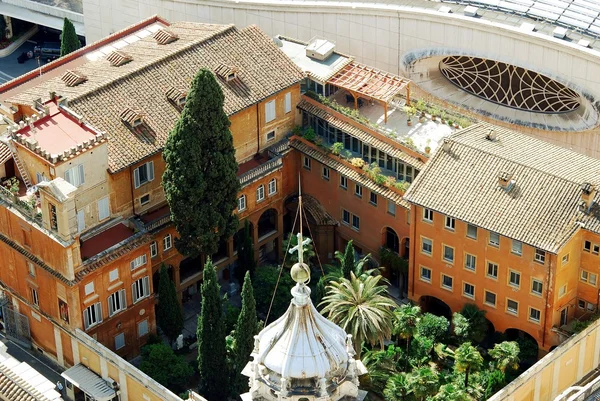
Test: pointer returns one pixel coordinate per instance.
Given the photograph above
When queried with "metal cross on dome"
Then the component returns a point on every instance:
(300, 247)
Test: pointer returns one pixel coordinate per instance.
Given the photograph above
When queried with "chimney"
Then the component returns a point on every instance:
(491, 135)
(505, 180)
(588, 192)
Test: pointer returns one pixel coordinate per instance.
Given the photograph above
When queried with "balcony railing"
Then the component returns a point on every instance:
(261, 171)
(29, 212)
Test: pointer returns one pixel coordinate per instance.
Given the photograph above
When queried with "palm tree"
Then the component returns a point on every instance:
(398, 388)
(405, 324)
(362, 308)
(424, 381)
(451, 392)
(381, 366)
(506, 355)
(467, 359)
(347, 264)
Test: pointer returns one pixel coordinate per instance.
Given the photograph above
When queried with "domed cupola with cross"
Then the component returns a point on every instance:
(302, 356)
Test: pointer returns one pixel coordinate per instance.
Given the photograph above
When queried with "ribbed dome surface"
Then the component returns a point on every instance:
(302, 343)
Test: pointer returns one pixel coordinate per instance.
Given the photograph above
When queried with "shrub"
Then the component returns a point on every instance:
(309, 135)
(357, 162)
(433, 327)
(337, 148)
(264, 281)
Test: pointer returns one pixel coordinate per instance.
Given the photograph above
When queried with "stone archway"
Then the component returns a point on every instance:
(267, 223)
(435, 306)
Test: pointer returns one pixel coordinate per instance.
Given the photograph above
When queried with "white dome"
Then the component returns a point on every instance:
(302, 343)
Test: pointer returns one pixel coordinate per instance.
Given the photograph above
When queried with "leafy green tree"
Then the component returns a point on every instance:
(451, 392)
(433, 327)
(69, 41)
(492, 381)
(467, 360)
(362, 308)
(407, 319)
(245, 329)
(381, 365)
(346, 260)
(200, 178)
(478, 324)
(169, 315)
(163, 365)
(212, 351)
(245, 253)
(424, 381)
(398, 388)
(264, 283)
(506, 355)
(420, 350)
(461, 326)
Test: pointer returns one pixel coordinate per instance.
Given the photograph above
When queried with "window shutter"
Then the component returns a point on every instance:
(123, 299)
(146, 283)
(68, 177)
(81, 174)
(144, 259)
(150, 170)
(133, 293)
(136, 177)
(111, 308)
(99, 312)
(132, 265)
(288, 102)
(86, 318)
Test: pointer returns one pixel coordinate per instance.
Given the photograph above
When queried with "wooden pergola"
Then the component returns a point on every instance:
(362, 81)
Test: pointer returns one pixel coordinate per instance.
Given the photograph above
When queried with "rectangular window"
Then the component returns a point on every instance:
(562, 291)
(260, 193)
(587, 246)
(270, 111)
(92, 315)
(272, 187)
(470, 262)
(326, 173)
(144, 200)
(242, 203)
(425, 274)
(113, 275)
(517, 247)
(143, 328)
(588, 277)
(514, 279)
(139, 261)
(581, 304)
(373, 198)
(537, 286)
(512, 307)
(355, 222)
(75, 175)
(534, 315)
(153, 249)
(596, 249)
(450, 223)
(426, 246)
(565, 259)
(89, 288)
(343, 182)
(116, 302)
(540, 256)
(345, 216)
(428, 215)
(490, 298)
(468, 290)
(448, 254)
(492, 270)
(31, 268)
(119, 341)
(446, 282)
(288, 102)
(590, 306)
(140, 289)
(103, 209)
(41, 177)
(34, 297)
(53, 217)
(358, 190)
(143, 174)
(270, 136)
(391, 208)
(494, 239)
(167, 242)
(306, 162)
(471, 231)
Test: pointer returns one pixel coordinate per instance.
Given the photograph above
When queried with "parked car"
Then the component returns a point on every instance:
(47, 51)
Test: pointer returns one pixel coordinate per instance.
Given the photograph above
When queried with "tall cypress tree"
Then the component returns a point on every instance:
(200, 179)
(212, 352)
(346, 260)
(245, 254)
(169, 315)
(245, 329)
(69, 41)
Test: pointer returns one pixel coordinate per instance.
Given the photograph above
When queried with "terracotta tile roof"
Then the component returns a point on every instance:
(349, 172)
(12, 391)
(263, 70)
(362, 135)
(541, 207)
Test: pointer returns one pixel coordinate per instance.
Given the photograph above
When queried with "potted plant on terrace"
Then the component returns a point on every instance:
(410, 111)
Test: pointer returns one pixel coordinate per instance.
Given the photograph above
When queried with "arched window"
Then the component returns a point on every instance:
(272, 187)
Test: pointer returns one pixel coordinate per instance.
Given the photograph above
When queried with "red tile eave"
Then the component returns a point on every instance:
(77, 54)
(158, 213)
(105, 240)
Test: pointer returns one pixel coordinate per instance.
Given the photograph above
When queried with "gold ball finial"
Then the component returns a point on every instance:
(300, 273)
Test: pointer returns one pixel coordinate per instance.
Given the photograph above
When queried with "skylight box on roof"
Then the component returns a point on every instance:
(228, 73)
(73, 78)
(164, 37)
(177, 96)
(118, 58)
(132, 117)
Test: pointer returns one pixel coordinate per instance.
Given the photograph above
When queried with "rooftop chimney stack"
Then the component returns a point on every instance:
(505, 180)
(491, 135)
(588, 192)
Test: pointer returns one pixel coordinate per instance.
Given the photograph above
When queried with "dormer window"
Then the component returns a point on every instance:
(132, 117)
(164, 36)
(177, 96)
(118, 58)
(226, 72)
(73, 78)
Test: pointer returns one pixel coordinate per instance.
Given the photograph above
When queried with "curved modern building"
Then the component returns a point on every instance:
(527, 64)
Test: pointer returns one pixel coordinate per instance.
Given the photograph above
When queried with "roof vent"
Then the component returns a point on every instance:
(164, 37)
(117, 58)
(73, 78)
(132, 117)
(505, 180)
(446, 145)
(176, 96)
(491, 135)
(319, 49)
(228, 73)
(588, 193)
